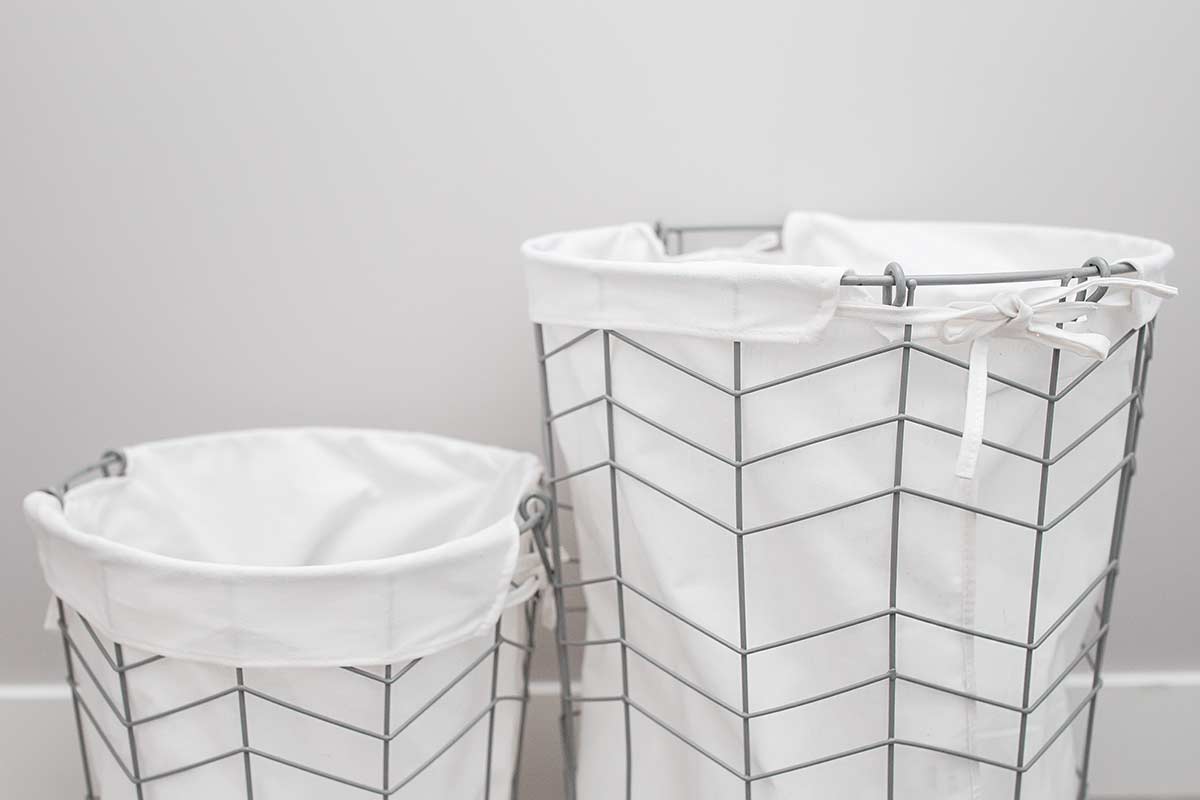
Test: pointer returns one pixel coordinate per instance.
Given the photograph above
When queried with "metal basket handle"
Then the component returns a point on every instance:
(112, 463)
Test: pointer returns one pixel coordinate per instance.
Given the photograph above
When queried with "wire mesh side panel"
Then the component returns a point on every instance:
(706, 664)
(155, 728)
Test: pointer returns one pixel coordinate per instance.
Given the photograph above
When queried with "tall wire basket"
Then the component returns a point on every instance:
(570, 577)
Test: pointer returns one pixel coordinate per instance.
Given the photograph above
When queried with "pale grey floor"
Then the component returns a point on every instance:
(50, 769)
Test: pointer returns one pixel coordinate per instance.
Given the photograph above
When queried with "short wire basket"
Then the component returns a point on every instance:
(898, 289)
(92, 673)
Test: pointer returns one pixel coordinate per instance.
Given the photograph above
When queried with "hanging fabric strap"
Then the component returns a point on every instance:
(1034, 314)
(530, 578)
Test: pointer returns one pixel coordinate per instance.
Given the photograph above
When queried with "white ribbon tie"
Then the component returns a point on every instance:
(1033, 314)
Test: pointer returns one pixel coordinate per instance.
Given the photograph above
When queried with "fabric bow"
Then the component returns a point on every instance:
(1038, 314)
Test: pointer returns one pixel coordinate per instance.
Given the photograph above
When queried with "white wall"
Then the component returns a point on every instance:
(218, 215)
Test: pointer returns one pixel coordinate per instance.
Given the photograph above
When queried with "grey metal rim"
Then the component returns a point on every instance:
(674, 237)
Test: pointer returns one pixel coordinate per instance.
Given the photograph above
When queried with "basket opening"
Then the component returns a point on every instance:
(302, 497)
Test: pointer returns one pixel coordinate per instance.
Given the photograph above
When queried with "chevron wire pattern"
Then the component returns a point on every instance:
(388, 681)
(1091, 653)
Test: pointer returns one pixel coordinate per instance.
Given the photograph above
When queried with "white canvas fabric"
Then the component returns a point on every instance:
(804, 574)
(290, 554)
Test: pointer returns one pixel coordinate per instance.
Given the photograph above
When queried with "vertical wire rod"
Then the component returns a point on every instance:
(1036, 571)
(491, 725)
(531, 615)
(87, 772)
(566, 705)
(1141, 364)
(616, 533)
(741, 566)
(123, 680)
(894, 546)
(387, 726)
(241, 693)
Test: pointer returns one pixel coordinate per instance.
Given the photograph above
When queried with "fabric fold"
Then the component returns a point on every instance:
(620, 278)
(204, 549)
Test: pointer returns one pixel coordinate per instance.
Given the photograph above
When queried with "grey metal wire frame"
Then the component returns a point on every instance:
(898, 289)
(532, 515)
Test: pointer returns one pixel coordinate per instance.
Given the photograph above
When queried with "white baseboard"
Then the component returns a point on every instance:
(1148, 727)
(1147, 739)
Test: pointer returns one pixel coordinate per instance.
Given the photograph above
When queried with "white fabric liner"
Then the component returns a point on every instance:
(621, 277)
(975, 571)
(292, 547)
(278, 551)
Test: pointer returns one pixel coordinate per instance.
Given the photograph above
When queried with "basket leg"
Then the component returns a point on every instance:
(123, 682)
(83, 754)
(531, 615)
(551, 555)
(1141, 364)
(241, 685)
(553, 560)
(491, 725)
(566, 718)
